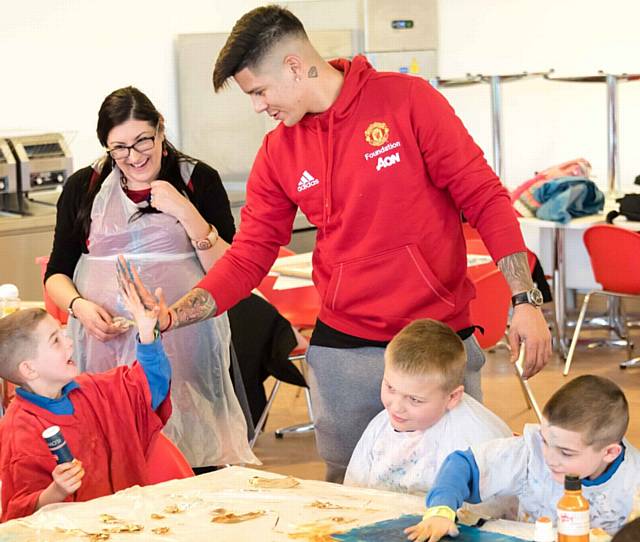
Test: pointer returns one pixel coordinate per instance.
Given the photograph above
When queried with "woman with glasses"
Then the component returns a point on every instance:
(169, 213)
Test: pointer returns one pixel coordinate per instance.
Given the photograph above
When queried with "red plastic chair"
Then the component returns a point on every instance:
(166, 462)
(49, 304)
(490, 308)
(300, 306)
(615, 260)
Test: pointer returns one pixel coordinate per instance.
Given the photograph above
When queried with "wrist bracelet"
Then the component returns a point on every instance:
(169, 324)
(440, 511)
(70, 307)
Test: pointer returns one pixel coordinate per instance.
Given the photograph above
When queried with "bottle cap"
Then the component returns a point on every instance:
(543, 531)
(572, 482)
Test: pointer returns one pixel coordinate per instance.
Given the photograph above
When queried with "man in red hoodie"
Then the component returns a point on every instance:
(382, 166)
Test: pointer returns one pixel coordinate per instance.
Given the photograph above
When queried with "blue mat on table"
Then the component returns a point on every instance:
(391, 530)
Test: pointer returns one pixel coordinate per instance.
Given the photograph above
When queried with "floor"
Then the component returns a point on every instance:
(296, 454)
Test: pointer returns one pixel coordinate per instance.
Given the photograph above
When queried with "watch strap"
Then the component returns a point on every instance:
(533, 297)
(519, 299)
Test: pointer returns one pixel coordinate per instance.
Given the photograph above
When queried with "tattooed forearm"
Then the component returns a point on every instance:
(313, 72)
(515, 269)
(194, 307)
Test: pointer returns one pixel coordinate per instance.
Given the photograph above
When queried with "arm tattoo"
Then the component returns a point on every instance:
(515, 269)
(194, 307)
(313, 72)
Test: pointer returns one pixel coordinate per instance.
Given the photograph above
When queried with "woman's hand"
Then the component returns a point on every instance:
(96, 320)
(167, 199)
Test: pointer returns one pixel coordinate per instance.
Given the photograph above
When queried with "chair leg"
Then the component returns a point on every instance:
(307, 396)
(576, 333)
(526, 389)
(301, 427)
(615, 321)
(528, 395)
(298, 428)
(265, 413)
(622, 325)
(634, 362)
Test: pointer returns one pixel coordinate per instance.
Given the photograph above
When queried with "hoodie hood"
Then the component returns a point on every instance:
(356, 73)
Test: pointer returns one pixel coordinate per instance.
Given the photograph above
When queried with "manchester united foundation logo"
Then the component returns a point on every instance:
(377, 134)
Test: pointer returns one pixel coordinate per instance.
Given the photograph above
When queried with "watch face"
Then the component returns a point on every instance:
(203, 244)
(536, 297)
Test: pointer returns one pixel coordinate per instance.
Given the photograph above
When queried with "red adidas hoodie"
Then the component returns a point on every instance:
(383, 174)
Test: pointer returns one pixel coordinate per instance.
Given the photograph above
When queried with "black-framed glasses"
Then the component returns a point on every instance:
(143, 144)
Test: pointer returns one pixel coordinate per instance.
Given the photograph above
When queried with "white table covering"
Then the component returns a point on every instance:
(290, 513)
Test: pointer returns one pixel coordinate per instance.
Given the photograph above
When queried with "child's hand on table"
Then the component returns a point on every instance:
(431, 529)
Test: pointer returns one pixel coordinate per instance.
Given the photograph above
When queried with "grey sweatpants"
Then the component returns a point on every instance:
(345, 393)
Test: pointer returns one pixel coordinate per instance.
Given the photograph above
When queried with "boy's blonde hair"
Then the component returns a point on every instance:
(428, 347)
(590, 405)
(17, 341)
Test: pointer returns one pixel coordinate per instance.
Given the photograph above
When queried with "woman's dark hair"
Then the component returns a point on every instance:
(118, 107)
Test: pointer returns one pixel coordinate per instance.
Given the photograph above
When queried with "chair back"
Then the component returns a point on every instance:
(298, 305)
(615, 257)
(166, 462)
(490, 308)
(49, 304)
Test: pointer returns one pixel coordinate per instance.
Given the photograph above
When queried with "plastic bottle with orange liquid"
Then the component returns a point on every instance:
(573, 512)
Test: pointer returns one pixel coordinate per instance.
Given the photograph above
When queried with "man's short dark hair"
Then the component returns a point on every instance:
(252, 37)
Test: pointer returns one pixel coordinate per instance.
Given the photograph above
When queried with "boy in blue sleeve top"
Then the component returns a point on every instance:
(582, 433)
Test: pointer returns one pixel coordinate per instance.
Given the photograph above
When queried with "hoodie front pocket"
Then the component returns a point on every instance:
(397, 283)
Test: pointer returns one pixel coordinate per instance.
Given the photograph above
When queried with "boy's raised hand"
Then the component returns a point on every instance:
(127, 275)
(68, 477)
(145, 316)
(431, 529)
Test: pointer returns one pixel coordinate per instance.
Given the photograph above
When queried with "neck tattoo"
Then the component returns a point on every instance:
(313, 72)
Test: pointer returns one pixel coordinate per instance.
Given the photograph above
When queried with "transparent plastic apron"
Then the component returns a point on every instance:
(207, 422)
